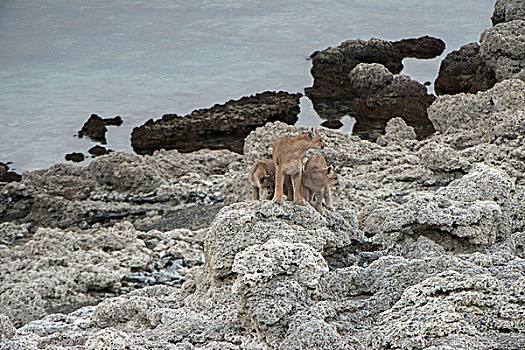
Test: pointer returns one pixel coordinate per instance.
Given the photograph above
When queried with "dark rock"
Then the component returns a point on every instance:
(75, 157)
(331, 66)
(219, 127)
(332, 124)
(8, 176)
(380, 96)
(115, 121)
(424, 47)
(464, 70)
(95, 127)
(427, 83)
(508, 10)
(97, 150)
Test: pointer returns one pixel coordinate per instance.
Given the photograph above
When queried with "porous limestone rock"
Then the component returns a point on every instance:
(508, 10)
(396, 131)
(7, 330)
(503, 48)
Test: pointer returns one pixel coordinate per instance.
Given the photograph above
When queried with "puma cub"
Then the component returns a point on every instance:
(262, 178)
(288, 156)
(315, 185)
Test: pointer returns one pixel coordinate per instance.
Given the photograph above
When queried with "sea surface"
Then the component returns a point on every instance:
(61, 60)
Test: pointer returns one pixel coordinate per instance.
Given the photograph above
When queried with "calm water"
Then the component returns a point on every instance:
(60, 61)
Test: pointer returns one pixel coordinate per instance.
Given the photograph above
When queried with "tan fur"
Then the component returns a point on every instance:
(315, 185)
(262, 178)
(288, 156)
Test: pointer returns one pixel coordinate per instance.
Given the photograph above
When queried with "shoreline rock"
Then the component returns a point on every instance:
(219, 127)
(95, 127)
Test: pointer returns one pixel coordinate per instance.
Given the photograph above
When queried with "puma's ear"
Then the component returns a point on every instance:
(310, 135)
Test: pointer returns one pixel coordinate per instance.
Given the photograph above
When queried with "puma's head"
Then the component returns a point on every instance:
(316, 141)
(268, 184)
(331, 175)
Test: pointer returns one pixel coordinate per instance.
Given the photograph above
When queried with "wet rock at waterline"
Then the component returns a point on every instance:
(95, 127)
(219, 127)
(7, 175)
(330, 67)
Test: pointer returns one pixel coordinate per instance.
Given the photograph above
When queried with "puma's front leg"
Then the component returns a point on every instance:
(296, 179)
(288, 187)
(279, 180)
(255, 193)
(318, 202)
(328, 198)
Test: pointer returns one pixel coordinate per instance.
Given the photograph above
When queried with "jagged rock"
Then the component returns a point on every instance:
(503, 48)
(397, 131)
(332, 124)
(109, 338)
(97, 150)
(7, 331)
(61, 270)
(464, 70)
(8, 176)
(425, 47)
(241, 225)
(485, 111)
(75, 157)
(508, 10)
(219, 127)
(95, 127)
(469, 208)
(330, 67)
(434, 313)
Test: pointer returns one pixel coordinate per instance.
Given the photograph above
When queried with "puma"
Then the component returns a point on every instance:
(316, 180)
(262, 179)
(288, 156)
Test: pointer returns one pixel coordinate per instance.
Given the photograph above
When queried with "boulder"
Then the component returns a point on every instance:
(507, 10)
(502, 47)
(95, 127)
(219, 127)
(8, 176)
(397, 131)
(464, 70)
(330, 67)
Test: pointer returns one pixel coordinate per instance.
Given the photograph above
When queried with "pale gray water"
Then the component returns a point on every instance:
(60, 61)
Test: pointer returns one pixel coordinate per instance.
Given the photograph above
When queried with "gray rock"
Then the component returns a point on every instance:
(507, 10)
(397, 131)
(503, 48)
(7, 330)
(219, 127)
(480, 111)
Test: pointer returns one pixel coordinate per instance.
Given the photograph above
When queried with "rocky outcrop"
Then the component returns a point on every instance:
(8, 176)
(503, 48)
(219, 127)
(330, 67)
(508, 10)
(148, 191)
(382, 95)
(75, 157)
(425, 47)
(464, 70)
(500, 55)
(95, 127)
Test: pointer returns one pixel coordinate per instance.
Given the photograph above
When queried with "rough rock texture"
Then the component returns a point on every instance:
(219, 127)
(500, 55)
(396, 131)
(483, 111)
(503, 48)
(382, 95)
(425, 47)
(330, 67)
(95, 127)
(8, 176)
(59, 271)
(508, 10)
(464, 70)
(144, 189)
